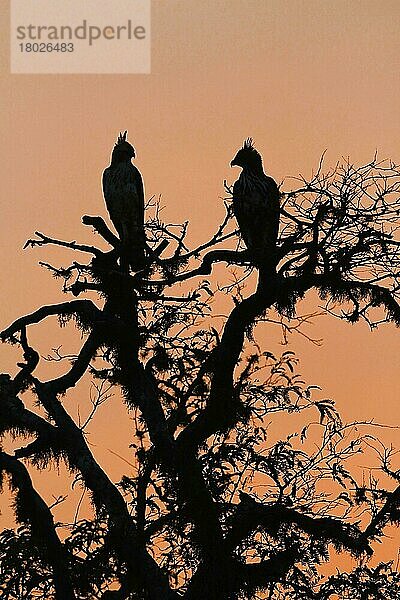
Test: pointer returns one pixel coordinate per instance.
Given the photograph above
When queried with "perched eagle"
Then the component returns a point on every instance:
(256, 206)
(124, 197)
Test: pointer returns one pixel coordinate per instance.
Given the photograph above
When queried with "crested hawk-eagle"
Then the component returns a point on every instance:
(124, 198)
(256, 207)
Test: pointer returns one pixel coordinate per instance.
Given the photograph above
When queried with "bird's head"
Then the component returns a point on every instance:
(248, 157)
(123, 150)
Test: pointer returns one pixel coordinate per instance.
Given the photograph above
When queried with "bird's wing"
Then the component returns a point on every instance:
(243, 208)
(256, 208)
(124, 196)
(135, 191)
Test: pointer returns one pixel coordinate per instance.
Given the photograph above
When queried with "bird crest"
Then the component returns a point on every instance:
(122, 138)
(248, 144)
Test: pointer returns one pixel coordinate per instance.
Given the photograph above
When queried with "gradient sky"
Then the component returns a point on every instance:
(299, 76)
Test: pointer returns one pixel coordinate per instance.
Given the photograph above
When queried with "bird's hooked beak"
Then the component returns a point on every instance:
(234, 163)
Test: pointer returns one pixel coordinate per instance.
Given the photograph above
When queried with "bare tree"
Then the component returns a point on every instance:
(217, 509)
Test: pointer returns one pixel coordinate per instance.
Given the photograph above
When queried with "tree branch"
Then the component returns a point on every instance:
(99, 225)
(85, 309)
(45, 240)
(251, 514)
(32, 509)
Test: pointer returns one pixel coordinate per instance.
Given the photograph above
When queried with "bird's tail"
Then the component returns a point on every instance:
(133, 253)
(266, 262)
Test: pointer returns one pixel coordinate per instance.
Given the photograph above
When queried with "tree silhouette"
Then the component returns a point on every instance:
(218, 508)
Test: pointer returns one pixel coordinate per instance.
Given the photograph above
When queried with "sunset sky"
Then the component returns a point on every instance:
(299, 76)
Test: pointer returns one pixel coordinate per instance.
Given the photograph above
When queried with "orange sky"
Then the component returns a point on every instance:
(299, 76)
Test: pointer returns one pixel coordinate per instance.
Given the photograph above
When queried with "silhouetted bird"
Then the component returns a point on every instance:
(124, 197)
(256, 206)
